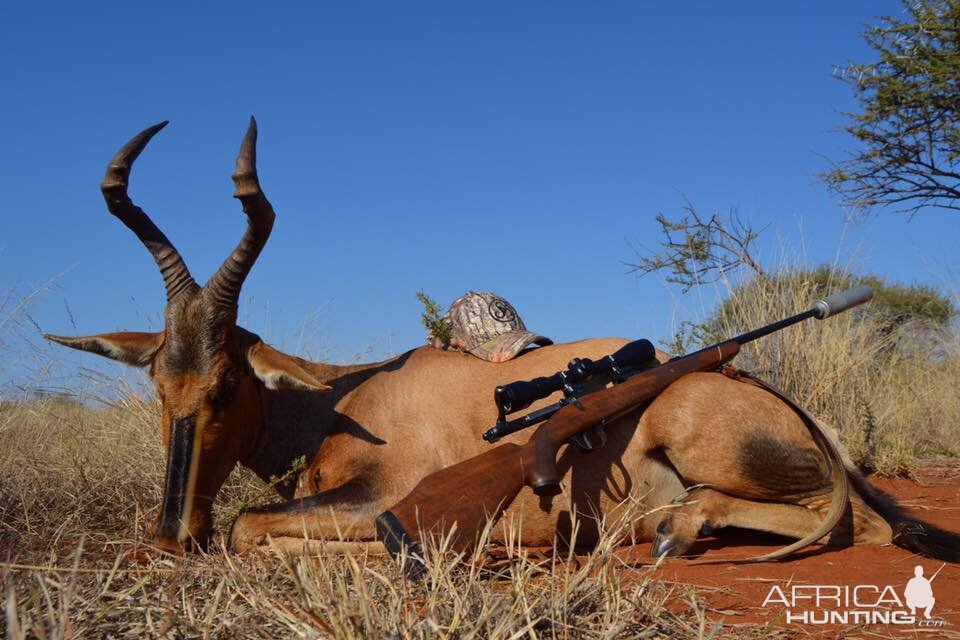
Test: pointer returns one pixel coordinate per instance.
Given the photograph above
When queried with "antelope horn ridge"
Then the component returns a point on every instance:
(176, 277)
(225, 284)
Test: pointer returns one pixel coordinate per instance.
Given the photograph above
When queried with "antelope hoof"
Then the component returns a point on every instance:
(664, 545)
(245, 535)
(675, 536)
(665, 542)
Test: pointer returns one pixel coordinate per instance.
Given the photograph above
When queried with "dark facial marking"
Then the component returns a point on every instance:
(782, 468)
(178, 470)
(195, 334)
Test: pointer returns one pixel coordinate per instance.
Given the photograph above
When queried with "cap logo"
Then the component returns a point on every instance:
(501, 311)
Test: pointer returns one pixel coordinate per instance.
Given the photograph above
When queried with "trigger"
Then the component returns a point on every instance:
(590, 440)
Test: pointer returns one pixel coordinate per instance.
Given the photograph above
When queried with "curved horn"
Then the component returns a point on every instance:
(114, 187)
(225, 284)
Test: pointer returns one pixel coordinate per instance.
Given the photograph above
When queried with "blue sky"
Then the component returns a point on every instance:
(516, 147)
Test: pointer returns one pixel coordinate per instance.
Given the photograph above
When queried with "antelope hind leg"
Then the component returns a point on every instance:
(705, 510)
(736, 438)
(743, 442)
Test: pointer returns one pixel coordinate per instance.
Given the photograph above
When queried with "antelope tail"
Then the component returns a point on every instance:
(909, 532)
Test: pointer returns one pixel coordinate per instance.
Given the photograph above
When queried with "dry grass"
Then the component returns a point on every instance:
(891, 395)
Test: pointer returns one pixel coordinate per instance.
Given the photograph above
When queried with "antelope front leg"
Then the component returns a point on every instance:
(336, 520)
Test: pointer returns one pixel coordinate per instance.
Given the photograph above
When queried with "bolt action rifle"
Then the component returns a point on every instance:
(460, 499)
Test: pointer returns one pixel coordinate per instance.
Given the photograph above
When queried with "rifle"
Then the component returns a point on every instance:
(460, 499)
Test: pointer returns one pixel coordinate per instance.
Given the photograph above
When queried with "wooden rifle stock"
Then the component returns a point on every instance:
(457, 501)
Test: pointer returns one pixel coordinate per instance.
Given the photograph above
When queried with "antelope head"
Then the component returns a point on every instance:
(209, 373)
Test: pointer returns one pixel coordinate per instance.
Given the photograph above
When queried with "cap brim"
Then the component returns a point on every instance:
(507, 345)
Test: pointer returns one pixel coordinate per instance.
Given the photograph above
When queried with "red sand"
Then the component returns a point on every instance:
(735, 593)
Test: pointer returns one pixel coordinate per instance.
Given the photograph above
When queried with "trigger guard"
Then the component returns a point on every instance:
(590, 440)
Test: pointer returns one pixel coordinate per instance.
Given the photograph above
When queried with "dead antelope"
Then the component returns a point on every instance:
(372, 431)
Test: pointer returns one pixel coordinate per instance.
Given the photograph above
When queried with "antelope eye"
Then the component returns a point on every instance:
(226, 388)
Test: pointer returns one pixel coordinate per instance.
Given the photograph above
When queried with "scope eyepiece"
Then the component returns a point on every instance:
(522, 393)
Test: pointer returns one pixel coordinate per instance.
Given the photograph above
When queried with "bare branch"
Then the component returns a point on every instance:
(697, 250)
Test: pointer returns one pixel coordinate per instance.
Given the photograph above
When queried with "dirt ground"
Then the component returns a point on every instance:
(736, 592)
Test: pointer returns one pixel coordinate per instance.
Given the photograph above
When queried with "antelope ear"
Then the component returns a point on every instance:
(133, 347)
(277, 370)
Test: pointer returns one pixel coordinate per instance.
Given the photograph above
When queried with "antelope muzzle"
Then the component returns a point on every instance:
(185, 516)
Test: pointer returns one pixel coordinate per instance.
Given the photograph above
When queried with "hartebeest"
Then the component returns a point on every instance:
(373, 430)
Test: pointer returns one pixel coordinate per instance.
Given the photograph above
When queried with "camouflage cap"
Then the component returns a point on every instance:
(486, 325)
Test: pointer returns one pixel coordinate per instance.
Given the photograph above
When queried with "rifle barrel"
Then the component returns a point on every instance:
(750, 336)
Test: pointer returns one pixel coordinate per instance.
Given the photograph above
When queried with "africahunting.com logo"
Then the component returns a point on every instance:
(859, 604)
